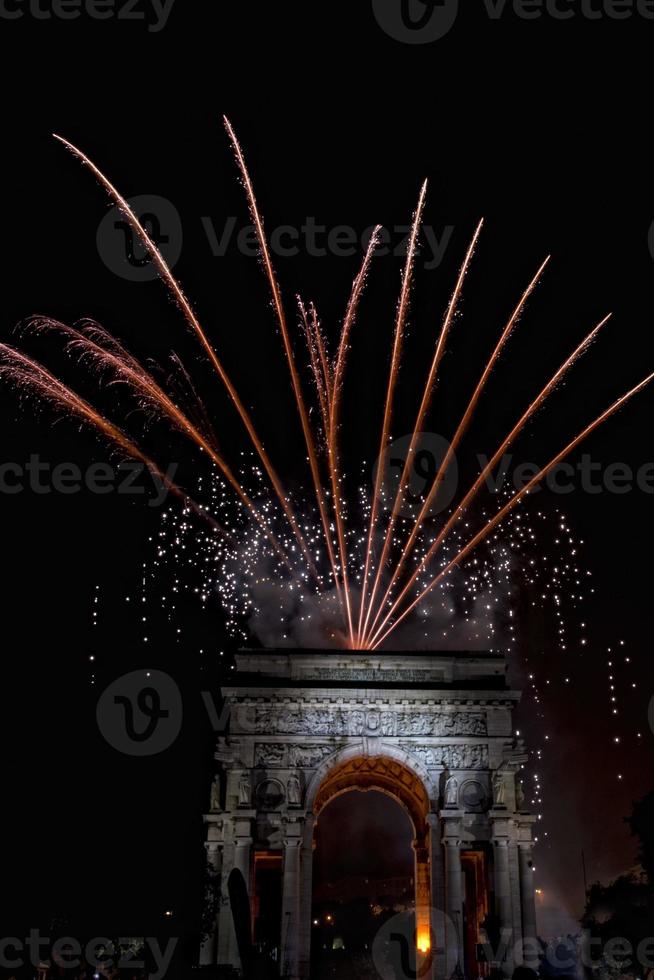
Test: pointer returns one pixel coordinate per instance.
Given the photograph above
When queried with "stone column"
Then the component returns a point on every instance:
(241, 861)
(437, 872)
(528, 902)
(516, 910)
(306, 897)
(503, 896)
(290, 946)
(209, 948)
(454, 899)
(423, 895)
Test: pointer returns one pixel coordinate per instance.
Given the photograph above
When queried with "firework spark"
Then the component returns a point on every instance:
(412, 561)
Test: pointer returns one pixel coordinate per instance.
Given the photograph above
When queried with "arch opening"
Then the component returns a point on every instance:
(363, 876)
(381, 773)
(390, 787)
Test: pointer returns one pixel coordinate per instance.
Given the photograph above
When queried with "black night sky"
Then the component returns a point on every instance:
(530, 124)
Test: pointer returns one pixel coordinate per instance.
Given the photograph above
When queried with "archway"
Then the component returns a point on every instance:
(388, 776)
(363, 875)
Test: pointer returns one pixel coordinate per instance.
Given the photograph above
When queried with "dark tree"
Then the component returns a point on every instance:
(641, 823)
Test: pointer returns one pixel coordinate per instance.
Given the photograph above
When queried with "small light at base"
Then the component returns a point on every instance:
(424, 942)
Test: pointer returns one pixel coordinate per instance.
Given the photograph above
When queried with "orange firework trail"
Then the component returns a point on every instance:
(319, 363)
(400, 322)
(128, 370)
(195, 325)
(513, 502)
(417, 429)
(333, 461)
(463, 425)
(406, 569)
(32, 378)
(462, 507)
(295, 380)
(343, 345)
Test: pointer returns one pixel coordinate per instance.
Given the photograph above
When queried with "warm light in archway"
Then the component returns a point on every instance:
(424, 941)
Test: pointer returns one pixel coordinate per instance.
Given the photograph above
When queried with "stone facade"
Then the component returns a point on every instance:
(436, 732)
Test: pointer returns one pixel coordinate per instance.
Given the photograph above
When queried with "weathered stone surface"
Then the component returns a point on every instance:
(434, 731)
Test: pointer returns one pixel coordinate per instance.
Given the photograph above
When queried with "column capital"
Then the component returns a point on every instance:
(292, 832)
(452, 813)
(502, 825)
(452, 829)
(242, 826)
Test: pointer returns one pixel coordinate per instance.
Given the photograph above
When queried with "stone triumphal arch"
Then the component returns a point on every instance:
(435, 732)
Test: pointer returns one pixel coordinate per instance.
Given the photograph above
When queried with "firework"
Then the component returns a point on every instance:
(338, 565)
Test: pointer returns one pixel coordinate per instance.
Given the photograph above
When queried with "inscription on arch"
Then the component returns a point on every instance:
(369, 721)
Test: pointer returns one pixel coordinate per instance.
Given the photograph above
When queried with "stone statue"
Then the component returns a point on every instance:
(452, 791)
(214, 804)
(244, 791)
(293, 791)
(499, 790)
(519, 794)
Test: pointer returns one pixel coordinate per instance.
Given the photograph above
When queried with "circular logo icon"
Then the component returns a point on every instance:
(140, 713)
(416, 21)
(122, 249)
(402, 951)
(422, 470)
